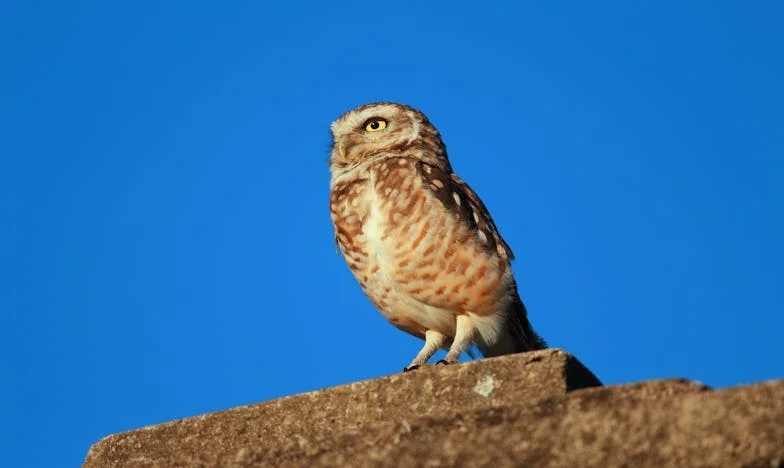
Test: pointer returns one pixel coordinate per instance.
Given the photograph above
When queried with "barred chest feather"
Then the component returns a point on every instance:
(418, 247)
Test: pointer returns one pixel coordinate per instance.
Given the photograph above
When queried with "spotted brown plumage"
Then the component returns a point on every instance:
(418, 239)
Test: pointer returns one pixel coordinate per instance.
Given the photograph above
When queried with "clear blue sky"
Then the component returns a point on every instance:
(166, 248)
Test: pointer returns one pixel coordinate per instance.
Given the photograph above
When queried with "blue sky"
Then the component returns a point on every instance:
(166, 248)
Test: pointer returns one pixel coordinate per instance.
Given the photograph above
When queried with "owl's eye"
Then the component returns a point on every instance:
(375, 124)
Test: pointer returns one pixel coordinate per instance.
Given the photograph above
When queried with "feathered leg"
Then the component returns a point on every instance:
(433, 341)
(464, 336)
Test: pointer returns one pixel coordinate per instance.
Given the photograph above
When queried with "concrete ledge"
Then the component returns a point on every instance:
(538, 409)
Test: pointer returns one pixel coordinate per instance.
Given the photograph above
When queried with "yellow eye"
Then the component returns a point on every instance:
(375, 124)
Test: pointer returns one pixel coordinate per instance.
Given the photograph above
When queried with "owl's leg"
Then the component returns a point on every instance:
(433, 341)
(464, 335)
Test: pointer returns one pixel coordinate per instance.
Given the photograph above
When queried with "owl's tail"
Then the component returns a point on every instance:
(518, 336)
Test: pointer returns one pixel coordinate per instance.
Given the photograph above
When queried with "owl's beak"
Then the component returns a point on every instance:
(340, 145)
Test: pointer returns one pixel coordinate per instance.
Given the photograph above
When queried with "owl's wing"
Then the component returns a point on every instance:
(462, 202)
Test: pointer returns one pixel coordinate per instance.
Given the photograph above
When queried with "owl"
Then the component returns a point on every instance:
(418, 239)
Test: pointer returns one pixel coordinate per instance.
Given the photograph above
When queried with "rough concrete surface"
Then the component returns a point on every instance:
(518, 410)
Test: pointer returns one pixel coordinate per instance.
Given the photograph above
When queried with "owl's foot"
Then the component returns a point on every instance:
(433, 341)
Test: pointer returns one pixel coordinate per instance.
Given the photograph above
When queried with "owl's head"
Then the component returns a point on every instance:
(382, 130)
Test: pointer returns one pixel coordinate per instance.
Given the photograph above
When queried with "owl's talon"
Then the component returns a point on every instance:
(409, 369)
(443, 362)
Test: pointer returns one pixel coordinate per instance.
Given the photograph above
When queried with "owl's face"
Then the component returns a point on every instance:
(381, 130)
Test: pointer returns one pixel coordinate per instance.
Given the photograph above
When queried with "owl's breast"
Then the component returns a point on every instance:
(415, 260)
(373, 215)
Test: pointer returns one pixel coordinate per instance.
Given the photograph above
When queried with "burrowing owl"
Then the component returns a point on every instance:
(419, 241)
